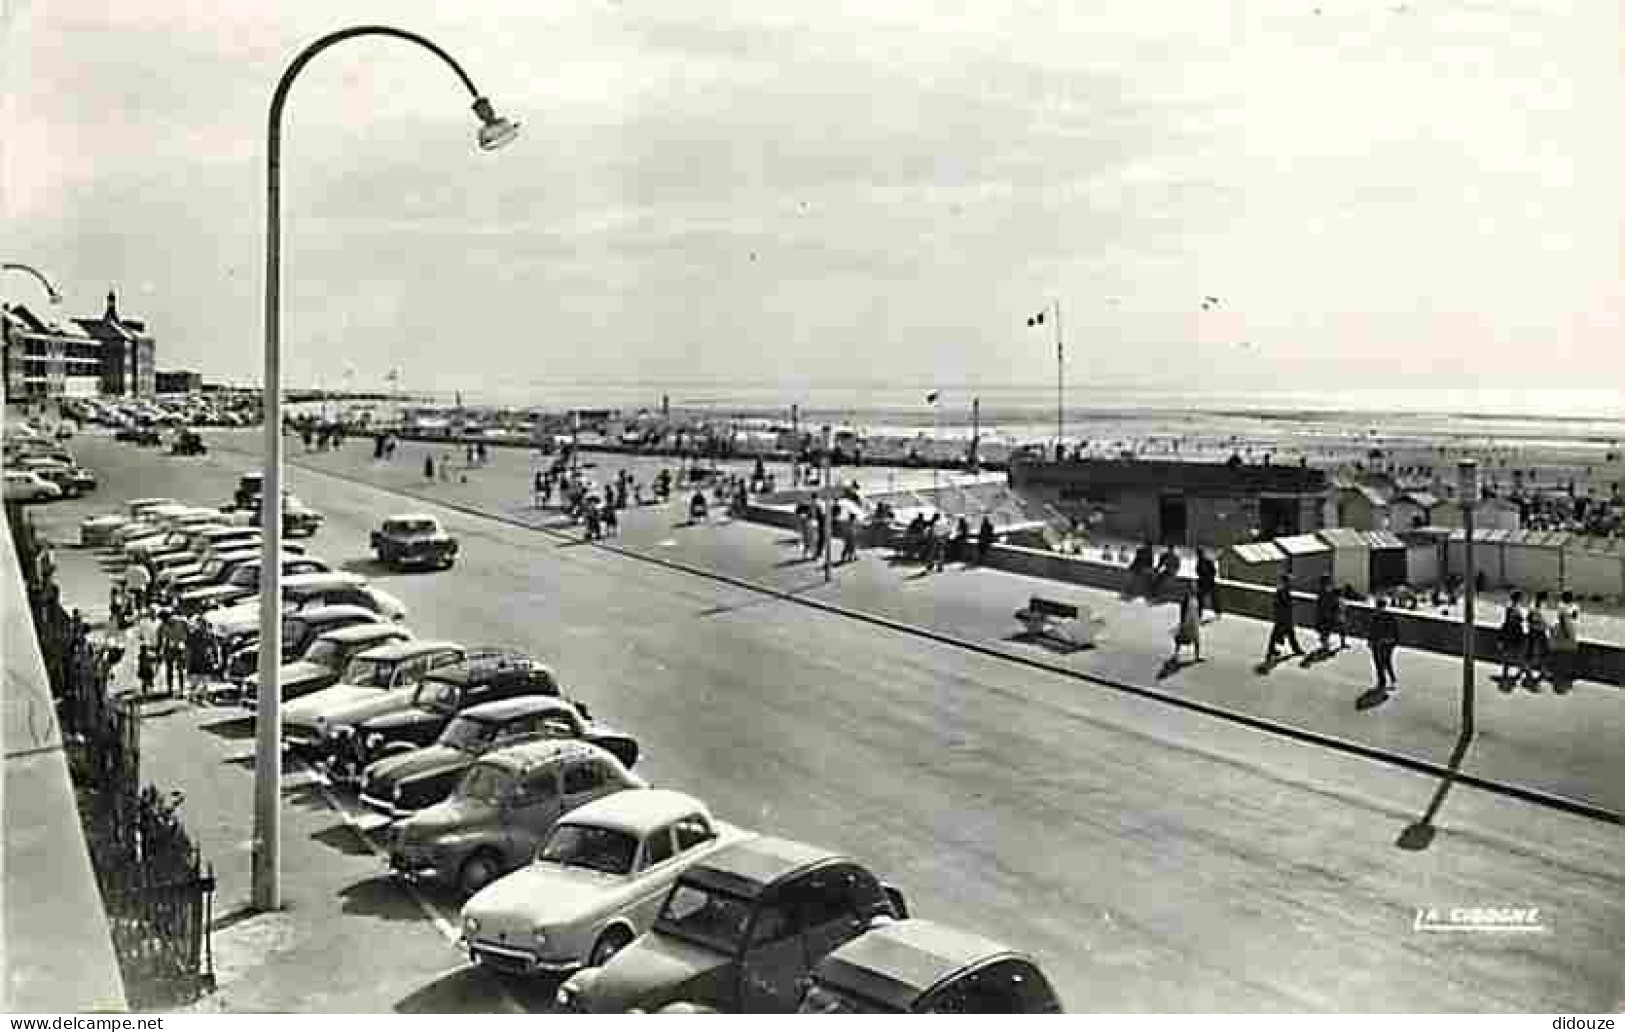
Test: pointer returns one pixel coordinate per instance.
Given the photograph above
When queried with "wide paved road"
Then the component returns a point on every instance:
(1153, 859)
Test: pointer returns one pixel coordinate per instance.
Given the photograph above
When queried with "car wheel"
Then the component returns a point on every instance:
(613, 941)
(478, 871)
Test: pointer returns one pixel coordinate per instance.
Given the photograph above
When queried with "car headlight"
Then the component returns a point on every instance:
(567, 996)
(540, 937)
(471, 926)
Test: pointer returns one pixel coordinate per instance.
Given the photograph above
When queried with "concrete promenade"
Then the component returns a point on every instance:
(1154, 858)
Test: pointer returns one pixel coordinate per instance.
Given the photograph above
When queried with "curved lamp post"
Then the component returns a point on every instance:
(494, 131)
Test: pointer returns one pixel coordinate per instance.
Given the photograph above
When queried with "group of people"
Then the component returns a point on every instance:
(813, 525)
(1537, 642)
(929, 541)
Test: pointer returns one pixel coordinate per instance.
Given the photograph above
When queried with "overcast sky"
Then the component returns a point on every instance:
(1381, 194)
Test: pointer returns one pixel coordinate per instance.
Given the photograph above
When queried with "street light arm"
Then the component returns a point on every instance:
(50, 291)
(305, 56)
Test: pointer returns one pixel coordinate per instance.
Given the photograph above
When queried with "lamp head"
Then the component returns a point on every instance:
(56, 298)
(495, 131)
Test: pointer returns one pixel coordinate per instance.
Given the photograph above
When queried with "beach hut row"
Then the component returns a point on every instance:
(1365, 560)
(1542, 560)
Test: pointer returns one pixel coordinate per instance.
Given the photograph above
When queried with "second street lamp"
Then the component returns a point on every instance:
(494, 132)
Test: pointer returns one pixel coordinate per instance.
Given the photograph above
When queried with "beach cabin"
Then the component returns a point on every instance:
(1388, 559)
(1412, 509)
(1424, 555)
(1489, 555)
(1351, 557)
(1362, 508)
(1308, 560)
(1594, 566)
(1256, 562)
(1488, 514)
(1533, 560)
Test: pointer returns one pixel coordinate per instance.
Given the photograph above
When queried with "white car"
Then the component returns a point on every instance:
(596, 884)
(309, 589)
(22, 486)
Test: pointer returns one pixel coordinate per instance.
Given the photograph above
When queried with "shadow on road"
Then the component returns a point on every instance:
(1047, 643)
(1371, 698)
(234, 728)
(1419, 835)
(380, 896)
(469, 990)
(342, 837)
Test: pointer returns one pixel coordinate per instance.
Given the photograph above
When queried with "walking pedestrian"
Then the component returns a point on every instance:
(821, 532)
(137, 583)
(1139, 570)
(146, 668)
(1566, 641)
(1512, 635)
(197, 656)
(984, 540)
(612, 522)
(445, 466)
(1207, 582)
(428, 467)
(1326, 605)
(1382, 634)
(849, 538)
(960, 550)
(172, 641)
(1188, 628)
(1537, 642)
(1284, 630)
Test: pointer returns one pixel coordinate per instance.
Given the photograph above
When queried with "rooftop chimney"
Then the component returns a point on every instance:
(112, 307)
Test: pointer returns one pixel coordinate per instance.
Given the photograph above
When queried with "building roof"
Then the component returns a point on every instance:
(103, 328)
(1302, 544)
(1257, 552)
(898, 963)
(1343, 537)
(637, 810)
(1369, 493)
(749, 868)
(1382, 539)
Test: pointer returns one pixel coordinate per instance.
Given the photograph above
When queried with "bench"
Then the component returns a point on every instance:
(1060, 620)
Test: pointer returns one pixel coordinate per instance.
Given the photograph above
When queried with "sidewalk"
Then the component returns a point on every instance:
(1565, 744)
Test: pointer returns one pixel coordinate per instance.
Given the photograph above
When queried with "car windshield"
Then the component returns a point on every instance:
(705, 916)
(327, 653)
(369, 673)
(827, 999)
(411, 527)
(468, 734)
(486, 784)
(598, 849)
(437, 695)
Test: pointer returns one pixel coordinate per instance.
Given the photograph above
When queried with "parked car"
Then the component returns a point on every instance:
(60, 474)
(921, 967)
(99, 530)
(310, 589)
(227, 584)
(442, 695)
(414, 540)
(299, 631)
(503, 810)
(740, 931)
(407, 779)
(312, 724)
(595, 885)
(325, 659)
(297, 517)
(22, 486)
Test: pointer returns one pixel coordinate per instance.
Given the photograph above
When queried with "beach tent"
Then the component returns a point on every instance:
(1257, 562)
(1351, 557)
(1308, 560)
(1594, 566)
(1424, 555)
(1388, 559)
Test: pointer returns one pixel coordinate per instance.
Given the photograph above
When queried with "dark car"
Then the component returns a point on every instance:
(414, 778)
(414, 540)
(921, 967)
(324, 661)
(741, 931)
(297, 517)
(299, 631)
(188, 442)
(441, 696)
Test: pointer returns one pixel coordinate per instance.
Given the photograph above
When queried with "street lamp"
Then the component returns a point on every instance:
(494, 132)
(50, 291)
(1468, 492)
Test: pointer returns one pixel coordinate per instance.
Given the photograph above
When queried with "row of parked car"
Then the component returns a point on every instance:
(499, 782)
(192, 410)
(38, 468)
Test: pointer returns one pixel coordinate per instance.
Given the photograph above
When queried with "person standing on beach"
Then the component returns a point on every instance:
(1284, 630)
(1566, 641)
(1188, 629)
(984, 540)
(1382, 634)
(1207, 582)
(1537, 642)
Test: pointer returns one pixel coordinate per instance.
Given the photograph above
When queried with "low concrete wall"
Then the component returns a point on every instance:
(55, 947)
(1598, 661)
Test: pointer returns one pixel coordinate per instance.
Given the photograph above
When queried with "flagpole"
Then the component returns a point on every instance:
(1060, 380)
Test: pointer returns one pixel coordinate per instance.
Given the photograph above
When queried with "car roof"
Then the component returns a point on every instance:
(403, 517)
(394, 651)
(899, 962)
(321, 614)
(637, 810)
(481, 667)
(527, 756)
(750, 868)
(331, 578)
(361, 632)
(507, 709)
(230, 530)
